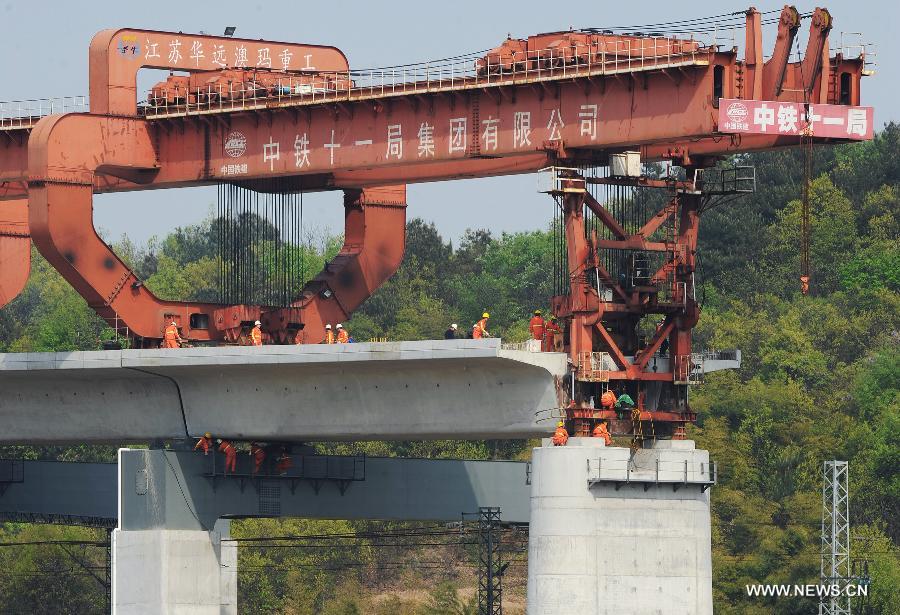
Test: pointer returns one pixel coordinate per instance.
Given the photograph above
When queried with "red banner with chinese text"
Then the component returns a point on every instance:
(769, 117)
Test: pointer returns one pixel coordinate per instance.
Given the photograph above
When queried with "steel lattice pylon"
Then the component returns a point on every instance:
(490, 586)
(835, 568)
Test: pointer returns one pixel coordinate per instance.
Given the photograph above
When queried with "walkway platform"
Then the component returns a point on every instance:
(459, 389)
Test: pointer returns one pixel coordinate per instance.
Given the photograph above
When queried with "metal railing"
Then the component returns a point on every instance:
(672, 472)
(17, 114)
(619, 56)
(595, 366)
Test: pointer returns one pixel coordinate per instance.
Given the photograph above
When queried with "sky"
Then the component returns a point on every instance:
(44, 55)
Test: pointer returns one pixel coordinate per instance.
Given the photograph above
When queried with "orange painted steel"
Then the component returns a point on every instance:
(255, 110)
(15, 249)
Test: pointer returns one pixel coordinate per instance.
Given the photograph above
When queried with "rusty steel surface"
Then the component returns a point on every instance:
(249, 111)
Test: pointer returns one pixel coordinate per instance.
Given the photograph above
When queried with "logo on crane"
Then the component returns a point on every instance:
(737, 112)
(235, 144)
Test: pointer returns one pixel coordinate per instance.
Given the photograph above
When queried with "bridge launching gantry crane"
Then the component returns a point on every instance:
(267, 117)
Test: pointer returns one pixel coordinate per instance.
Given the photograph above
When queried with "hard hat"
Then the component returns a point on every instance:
(257, 323)
(207, 435)
(218, 440)
(173, 324)
(485, 315)
(340, 326)
(537, 312)
(560, 424)
(454, 327)
(327, 326)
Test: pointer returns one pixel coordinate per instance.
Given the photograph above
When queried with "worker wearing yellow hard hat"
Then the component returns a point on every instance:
(479, 329)
(560, 436)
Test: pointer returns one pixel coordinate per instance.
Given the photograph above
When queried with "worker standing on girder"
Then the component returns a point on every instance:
(451, 332)
(256, 334)
(204, 443)
(258, 453)
(342, 336)
(284, 462)
(171, 337)
(329, 334)
(560, 436)
(230, 454)
(600, 431)
(479, 329)
(536, 326)
(551, 328)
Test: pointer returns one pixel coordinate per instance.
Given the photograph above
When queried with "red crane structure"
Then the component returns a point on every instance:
(249, 113)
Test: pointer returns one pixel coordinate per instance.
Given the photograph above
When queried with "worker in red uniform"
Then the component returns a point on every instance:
(608, 400)
(256, 334)
(230, 454)
(479, 329)
(342, 336)
(284, 462)
(259, 456)
(551, 328)
(600, 431)
(560, 436)
(171, 337)
(329, 334)
(204, 443)
(536, 326)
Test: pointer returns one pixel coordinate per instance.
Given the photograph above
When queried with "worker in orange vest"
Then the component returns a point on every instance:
(204, 443)
(171, 337)
(284, 462)
(608, 400)
(479, 329)
(551, 328)
(560, 436)
(329, 334)
(259, 456)
(600, 431)
(230, 454)
(342, 336)
(536, 326)
(256, 334)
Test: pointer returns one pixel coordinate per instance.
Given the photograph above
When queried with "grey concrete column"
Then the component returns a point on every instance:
(617, 534)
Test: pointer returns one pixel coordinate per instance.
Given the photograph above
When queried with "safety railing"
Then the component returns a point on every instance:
(623, 54)
(526, 346)
(595, 366)
(675, 472)
(18, 114)
(853, 46)
(688, 368)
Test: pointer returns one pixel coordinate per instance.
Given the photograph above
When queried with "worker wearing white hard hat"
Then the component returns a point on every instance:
(343, 336)
(256, 334)
(452, 332)
(171, 337)
(329, 335)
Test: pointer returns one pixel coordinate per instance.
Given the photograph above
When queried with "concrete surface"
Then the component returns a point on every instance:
(597, 546)
(405, 390)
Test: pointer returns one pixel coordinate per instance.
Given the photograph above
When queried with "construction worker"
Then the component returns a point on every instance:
(230, 454)
(624, 404)
(329, 335)
(284, 462)
(259, 456)
(608, 400)
(256, 334)
(342, 336)
(204, 443)
(600, 431)
(479, 329)
(171, 337)
(551, 328)
(560, 436)
(536, 326)
(451, 332)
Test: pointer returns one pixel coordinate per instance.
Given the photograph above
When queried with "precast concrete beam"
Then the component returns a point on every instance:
(462, 389)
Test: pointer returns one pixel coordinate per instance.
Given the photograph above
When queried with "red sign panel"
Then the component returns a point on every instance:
(767, 117)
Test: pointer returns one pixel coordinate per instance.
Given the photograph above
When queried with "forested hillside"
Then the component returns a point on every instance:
(820, 380)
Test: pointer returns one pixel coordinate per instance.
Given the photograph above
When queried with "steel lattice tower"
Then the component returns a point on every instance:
(835, 568)
(490, 586)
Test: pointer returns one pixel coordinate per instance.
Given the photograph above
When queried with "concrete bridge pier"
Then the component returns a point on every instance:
(613, 533)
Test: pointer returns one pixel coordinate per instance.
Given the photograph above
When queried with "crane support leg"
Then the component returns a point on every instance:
(15, 249)
(374, 242)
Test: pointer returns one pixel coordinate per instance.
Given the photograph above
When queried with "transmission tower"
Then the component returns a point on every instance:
(490, 572)
(835, 568)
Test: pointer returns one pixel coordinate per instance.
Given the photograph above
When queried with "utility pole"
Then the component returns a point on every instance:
(490, 586)
(835, 569)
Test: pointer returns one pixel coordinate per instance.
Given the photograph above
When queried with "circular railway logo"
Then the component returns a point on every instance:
(235, 144)
(737, 112)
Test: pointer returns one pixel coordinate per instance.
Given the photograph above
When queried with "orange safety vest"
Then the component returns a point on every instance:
(170, 337)
(537, 327)
(601, 432)
(329, 336)
(560, 437)
(479, 330)
(256, 336)
(343, 337)
(608, 399)
(227, 448)
(203, 444)
(550, 331)
(259, 455)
